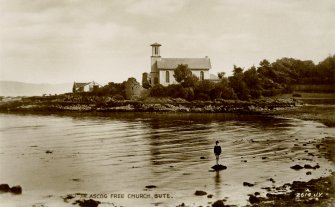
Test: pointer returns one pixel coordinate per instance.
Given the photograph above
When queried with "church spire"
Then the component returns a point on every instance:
(155, 49)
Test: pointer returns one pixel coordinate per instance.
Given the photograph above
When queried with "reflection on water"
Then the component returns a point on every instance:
(124, 152)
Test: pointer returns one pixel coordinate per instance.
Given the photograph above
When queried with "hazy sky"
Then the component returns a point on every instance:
(56, 41)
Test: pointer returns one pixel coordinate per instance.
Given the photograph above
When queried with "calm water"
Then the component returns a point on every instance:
(123, 153)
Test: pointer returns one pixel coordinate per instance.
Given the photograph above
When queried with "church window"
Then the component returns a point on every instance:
(167, 77)
(202, 75)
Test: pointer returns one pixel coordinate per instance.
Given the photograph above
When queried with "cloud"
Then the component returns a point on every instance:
(156, 8)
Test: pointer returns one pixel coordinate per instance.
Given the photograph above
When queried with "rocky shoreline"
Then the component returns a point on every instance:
(94, 104)
(316, 192)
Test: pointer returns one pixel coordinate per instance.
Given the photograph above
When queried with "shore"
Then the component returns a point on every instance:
(301, 193)
(72, 103)
(316, 192)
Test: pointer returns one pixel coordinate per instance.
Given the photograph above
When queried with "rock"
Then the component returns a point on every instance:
(296, 167)
(200, 193)
(309, 173)
(68, 197)
(150, 186)
(210, 196)
(256, 193)
(267, 188)
(308, 166)
(4, 188)
(181, 205)
(218, 203)
(88, 203)
(16, 189)
(202, 158)
(272, 180)
(253, 199)
(248, 184)
(316, 166)
(48, 152)
(219, 167)
(263, 158)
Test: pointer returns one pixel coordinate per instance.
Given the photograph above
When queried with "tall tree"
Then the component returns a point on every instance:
(184, 76)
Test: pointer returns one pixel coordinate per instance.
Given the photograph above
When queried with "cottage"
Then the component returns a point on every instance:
(85, 87)
(162, 69)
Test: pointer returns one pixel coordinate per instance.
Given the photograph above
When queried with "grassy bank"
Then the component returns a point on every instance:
(324, 114)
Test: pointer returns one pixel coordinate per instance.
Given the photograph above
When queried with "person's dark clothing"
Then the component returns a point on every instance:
(217, 150)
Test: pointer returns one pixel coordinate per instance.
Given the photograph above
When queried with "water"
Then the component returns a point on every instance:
(123, 153)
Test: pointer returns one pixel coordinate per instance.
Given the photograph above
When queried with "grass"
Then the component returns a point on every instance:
(324, 114)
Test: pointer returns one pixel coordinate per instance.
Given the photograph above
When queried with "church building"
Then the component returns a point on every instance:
(162, 69)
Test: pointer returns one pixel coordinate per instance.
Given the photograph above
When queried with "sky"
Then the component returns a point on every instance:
(59, 41)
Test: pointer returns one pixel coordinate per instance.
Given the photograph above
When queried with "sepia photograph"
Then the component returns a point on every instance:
(168, 103)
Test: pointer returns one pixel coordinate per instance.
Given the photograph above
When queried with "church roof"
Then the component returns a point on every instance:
(155, 44)
(78, 85)
(193, 63)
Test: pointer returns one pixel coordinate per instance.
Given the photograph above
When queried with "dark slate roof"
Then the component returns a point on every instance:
(193, 63)
(155, 44)
(78, 85)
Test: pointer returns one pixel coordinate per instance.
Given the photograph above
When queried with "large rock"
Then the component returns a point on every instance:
(248, 184)
(253, 199)
(219, 167)
(218, 203)
(16, 189)
(88, 203)
(200, 193)
(297, 167)
(4, 188)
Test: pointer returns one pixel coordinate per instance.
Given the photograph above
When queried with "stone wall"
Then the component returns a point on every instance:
(133, 89)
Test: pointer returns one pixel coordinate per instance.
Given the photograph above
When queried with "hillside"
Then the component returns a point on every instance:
(13, 88)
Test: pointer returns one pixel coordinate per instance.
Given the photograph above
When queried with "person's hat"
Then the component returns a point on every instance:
(217, 142)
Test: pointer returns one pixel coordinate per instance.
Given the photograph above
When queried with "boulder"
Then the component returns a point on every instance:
(248, 184)
(150, 186)
(218, 203)
(4, 188)
(219, 167)
(296, 167)
(88, 203)
(253, 199)
(16, 189)
(200, 193)
(308, 166)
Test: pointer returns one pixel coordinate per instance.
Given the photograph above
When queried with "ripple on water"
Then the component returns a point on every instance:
(125, 153)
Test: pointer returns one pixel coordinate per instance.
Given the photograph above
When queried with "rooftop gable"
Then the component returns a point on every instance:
(193, 63)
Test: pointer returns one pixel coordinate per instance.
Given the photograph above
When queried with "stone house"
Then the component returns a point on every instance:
(85, 87)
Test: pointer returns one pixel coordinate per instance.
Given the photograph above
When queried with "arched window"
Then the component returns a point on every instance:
(167, 77)
(202, 75)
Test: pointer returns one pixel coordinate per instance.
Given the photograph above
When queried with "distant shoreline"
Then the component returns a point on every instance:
(98, 104)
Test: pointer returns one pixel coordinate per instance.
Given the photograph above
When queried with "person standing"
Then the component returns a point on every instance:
(217, 152)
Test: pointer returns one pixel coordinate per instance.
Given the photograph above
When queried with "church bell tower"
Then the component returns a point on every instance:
(154, 58)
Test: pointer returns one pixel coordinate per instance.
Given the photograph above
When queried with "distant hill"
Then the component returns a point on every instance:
(13, 88)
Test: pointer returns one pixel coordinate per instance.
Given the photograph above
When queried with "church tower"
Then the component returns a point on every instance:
(154, 58)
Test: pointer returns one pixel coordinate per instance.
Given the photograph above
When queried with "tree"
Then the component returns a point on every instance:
(221, 75)
(176, 91)
(237, 83)
(203, 87)
(158, 91)
(253, 82)
(184, 76)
